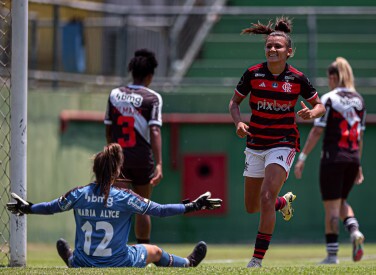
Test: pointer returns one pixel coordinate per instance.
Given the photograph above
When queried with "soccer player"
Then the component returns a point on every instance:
(103, 215)
(272, 134)
(343, 127)
(133, 119)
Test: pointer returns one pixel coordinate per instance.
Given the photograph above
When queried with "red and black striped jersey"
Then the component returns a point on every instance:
(131, 110)
(272, 100)
(343, 121)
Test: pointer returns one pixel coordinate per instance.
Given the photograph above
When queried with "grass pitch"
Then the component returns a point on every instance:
(220, 259)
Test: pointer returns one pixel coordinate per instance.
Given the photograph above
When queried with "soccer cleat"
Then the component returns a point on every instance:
(254, 262)
(64, 250)
(357, 239)
(330, 260)
(287, 211)
(198, 254)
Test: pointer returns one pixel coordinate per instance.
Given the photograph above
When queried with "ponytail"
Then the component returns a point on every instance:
(341, 67)
(282, 27)
(107, 167)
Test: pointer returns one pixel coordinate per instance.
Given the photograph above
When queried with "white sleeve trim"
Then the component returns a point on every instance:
(240, 94)
(147, 208)
(155, 122)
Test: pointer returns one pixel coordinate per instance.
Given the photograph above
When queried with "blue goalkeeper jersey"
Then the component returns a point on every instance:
(102, 229)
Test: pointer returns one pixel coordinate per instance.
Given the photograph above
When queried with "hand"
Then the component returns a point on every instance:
(202, 202)
(298, 169)
(19, 207)
(242, 130)
(158, 175)
(359, 178)
(305, 113)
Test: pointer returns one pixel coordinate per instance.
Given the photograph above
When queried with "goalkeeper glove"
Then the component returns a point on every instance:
(19, 207)
(202, 202)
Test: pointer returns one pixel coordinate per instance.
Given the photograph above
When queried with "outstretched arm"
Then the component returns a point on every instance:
(20, 207)
(202, 202)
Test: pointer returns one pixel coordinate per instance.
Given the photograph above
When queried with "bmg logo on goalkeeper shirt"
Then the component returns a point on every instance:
(99, 199)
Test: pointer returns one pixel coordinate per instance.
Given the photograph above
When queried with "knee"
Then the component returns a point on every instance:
(267, 199)
(252, 207)
(155, 254)
(158, 253)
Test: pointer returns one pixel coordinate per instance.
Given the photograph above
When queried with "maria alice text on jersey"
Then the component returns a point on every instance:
(105, 213)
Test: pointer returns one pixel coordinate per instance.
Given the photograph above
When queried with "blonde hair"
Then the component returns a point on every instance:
(341, 67)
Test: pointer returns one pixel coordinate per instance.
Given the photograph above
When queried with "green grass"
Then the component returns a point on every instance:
(221, 259)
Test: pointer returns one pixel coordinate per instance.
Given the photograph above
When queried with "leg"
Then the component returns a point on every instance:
(347, 214)
(332, 216)
(346, 210)
(352, 226)
(275, 176)
(143, 222)
(254, 172)
(332, 212)
(276, 165)
(252, 189)
(331, 186)
(161, 258)
(65, 252)
(154, 253)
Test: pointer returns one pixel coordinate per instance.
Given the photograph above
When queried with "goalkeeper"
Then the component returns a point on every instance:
(103, 214)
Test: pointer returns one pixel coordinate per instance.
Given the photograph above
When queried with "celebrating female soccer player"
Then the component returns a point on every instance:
(103, 214)
(133, 119)
(272, 135)
(340, 168)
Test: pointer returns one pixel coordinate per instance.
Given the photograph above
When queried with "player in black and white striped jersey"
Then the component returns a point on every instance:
(343, 126)
(134, 119)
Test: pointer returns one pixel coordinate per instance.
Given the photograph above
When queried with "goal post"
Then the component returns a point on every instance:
(18, 125)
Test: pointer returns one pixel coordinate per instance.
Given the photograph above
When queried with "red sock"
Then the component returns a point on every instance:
(280, 202)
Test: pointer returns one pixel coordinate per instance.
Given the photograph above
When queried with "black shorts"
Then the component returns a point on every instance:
(337, 179)
(138, 175)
